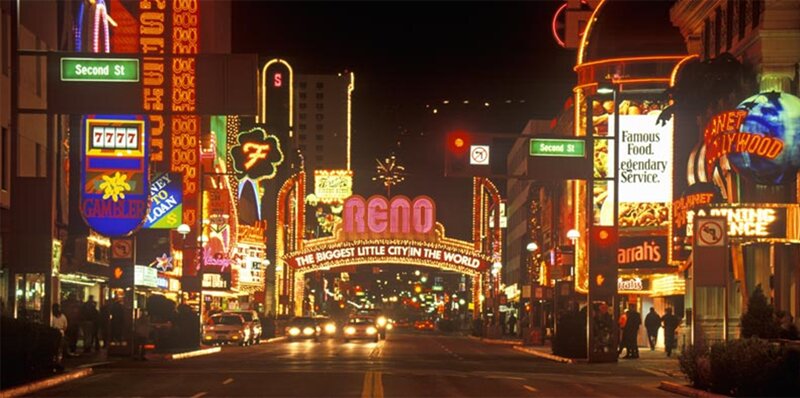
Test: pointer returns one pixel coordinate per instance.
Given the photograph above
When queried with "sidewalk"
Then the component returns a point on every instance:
(654, 362)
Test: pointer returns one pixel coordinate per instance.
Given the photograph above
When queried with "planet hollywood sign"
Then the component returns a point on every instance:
(398, 253)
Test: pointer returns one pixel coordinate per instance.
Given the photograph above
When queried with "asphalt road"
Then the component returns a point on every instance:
(405, 365)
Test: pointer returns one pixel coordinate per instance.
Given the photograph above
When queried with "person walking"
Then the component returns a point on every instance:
(142, 329)
(631, 332)
(72, 310)
(89, 316)
(623, 319)
(671, 323)
(60, 323)
(652, 322)
(512, 324)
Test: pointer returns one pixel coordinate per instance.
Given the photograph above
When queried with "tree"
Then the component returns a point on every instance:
(759, 320)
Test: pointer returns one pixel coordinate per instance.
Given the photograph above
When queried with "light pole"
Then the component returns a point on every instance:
(532, 248)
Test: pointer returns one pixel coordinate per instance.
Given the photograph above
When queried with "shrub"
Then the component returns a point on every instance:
(29, 350)
(747, 367)
(759, 320)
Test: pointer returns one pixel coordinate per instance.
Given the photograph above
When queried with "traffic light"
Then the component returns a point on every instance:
(456, 158)
(603, 243)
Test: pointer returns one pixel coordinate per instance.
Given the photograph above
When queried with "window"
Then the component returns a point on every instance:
(6, 56)
(302, 84)
(319, 116)
(757, 7)
(320, 85)
(320, 127)
(320, 96)
(302, 147)
(5, 160)
(302, 105)
(320, 106)
(303, 95)
(742, 18)
(318, 158)
(319, 147)
(717, 31)
(302, 126)
(302, 116)
(319, 137)
(303, 137)
(729, 25)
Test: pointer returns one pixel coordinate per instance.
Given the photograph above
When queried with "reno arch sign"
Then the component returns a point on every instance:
(379, 216)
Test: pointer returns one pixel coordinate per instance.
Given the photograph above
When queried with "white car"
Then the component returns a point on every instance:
(226, 328)
(361, 327)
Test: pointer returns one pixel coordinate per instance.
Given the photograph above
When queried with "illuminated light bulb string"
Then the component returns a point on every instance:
(100, 12)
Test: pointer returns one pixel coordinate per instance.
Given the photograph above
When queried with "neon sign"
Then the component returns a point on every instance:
(722, 136)
(333, 186)
(257, 155)
(380, 252)
(165, 202)
(749, 221)
(381, 216)
(152, 44)
(114, 173)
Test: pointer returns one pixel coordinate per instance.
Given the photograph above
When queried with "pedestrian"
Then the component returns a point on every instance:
(671, 323)
(512, 324)
(142, 329)
(631, 332)
(269, 328)
(117, 320)
(59, 322)
(89, 316)
(623, 319)
(103, 320)
(72, 310)
(652, 322)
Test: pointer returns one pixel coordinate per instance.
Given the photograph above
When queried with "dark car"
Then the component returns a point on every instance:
(302, 328)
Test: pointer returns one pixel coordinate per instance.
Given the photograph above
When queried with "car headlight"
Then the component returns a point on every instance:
(389, 326)
(294, 331)
(330, 328)
(308, 331)
(207, 337)
(372, 330)
(382, 321)
(350, 330)
(236, 337)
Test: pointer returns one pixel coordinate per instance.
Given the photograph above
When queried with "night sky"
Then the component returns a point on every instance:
(407, 56)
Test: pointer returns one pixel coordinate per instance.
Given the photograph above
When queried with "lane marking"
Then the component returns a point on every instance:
(529, 388)
(228, 381)
(366, 391)
(378, 381)
(652, 372)
(200, 394)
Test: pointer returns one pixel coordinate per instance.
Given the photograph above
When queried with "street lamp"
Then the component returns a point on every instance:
(496, 267)
(532, 247)
(573, 235)
(184, 230)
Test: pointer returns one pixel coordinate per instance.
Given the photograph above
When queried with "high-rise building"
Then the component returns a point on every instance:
(323, 120)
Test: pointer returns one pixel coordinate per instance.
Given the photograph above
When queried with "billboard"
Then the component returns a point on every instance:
(165, 202)
(115, 179)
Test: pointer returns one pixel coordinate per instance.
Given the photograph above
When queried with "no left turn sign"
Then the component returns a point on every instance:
(479, 155)
(710, 232)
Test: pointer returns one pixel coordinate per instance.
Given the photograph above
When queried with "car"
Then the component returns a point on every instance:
(302, 327)
(361, 327)
(226, 328)
(327, 326)
(381, 321)
(426, 324)
(252, 319)
(403, 323)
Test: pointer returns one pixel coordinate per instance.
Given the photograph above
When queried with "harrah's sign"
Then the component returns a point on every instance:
(382, 217)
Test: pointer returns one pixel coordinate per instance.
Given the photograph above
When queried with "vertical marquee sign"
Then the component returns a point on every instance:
(114, 173)
(153, 45)
(185, 125)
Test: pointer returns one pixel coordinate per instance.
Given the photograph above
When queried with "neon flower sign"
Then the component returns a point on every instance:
(257, 155)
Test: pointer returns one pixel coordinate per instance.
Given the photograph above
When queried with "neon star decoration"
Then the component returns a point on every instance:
(257, 155)
(163, 263)
(115, 187)
(389, 173)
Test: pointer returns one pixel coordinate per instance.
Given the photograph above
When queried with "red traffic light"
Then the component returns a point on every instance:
(604, 236)
(458, 142)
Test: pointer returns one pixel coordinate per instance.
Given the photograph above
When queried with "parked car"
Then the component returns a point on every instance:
(226, 328)
(327, 326)
(252, 319)
(302, 328)
(361, 327)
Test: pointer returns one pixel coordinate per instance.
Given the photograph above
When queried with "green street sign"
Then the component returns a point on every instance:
(567, 148)
(110, 70)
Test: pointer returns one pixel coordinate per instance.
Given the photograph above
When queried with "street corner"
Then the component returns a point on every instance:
(29, 388)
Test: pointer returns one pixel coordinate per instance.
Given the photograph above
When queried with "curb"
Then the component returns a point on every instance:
(46, 383)
(496, 341)
(545, 355)
(276, 339)
(196, 353)
(686, 390)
